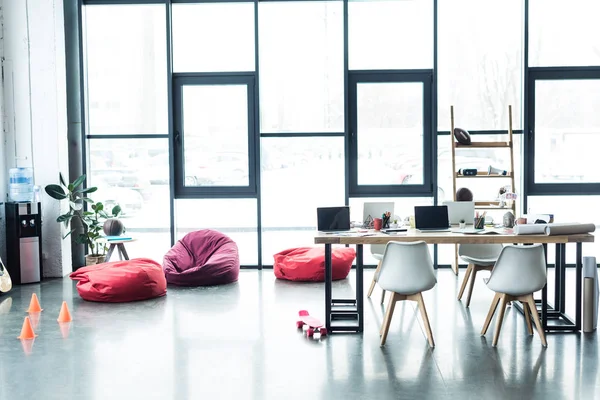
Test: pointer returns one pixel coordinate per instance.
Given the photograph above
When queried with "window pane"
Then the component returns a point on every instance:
(390, 133)
(301, 67)
(126, 69)
(135, 175)
(564, 34)
(567, 131)
(215, 134)
(213, 37)
(234, 217)
(382, 34)
(298, 175)
(480, 57)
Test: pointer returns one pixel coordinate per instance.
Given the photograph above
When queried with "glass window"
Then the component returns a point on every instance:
(234, 217)
(301, 48)
(213, 37)
(126, 64)
(215, 135)
(480, 63)
(298, 175)
(395, 34)
(564, 33)
(389, 133)
(567, 131)
(135, 175)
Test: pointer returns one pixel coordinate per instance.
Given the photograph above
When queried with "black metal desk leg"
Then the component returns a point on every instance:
(563, 277)
(328, 276)
(578, 284)
(359, 286)
(545, 292)
(557, 276)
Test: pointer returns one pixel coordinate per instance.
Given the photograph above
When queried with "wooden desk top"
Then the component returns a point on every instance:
(446, 238)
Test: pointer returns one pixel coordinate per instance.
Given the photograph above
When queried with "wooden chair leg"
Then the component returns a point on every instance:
(419, 298)
(490, 314)
(388, 319)
(374, 281)
(465, 280)
(536, 319)
(527, 317)
(473, 277)
(499, 319)
(382, 296)
(455, 265)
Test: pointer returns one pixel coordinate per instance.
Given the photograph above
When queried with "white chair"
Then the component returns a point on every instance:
(377, 251)
(406, 271)
(480, 257)
(519, 272)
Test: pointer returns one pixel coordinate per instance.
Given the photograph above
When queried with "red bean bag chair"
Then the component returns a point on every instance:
(120, 281)
(202, 258)
(307, 264)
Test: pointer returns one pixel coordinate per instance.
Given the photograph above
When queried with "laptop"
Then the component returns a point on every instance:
(460, 210)
(333, 219)
(373, 210)
(432, 218)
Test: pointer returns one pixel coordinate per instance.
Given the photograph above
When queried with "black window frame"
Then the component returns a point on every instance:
(548, 189)
(200, 192)
(424, 76)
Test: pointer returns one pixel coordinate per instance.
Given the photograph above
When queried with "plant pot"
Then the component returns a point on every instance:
(92, 259)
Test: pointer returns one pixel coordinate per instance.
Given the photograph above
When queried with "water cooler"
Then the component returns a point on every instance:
(23, 242)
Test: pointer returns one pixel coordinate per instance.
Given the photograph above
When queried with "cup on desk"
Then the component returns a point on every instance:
(377, 223)
(478, 222)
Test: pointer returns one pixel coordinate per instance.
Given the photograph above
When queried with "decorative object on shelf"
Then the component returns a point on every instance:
(508, 220)
(113, 227)
(464, 194)
(467, 171)
(498, 171)
(92, 221)
(462, 136)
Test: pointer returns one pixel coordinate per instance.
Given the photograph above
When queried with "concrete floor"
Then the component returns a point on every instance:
(240, 342)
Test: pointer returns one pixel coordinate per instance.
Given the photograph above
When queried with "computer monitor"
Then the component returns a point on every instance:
(431, 218)
(460, 210)
(375, 210)
(333, 219)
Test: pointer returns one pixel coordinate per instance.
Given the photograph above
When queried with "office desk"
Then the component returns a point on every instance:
(340, 310)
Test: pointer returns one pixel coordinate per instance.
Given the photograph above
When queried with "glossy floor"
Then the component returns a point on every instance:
(240, 342)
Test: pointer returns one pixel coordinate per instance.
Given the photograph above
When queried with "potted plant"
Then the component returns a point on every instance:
(91, 220)
(461, 224)
(394, 224)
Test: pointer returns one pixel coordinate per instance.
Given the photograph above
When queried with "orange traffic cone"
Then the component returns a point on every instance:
(34, 305)
(27, 330)
(65, 315)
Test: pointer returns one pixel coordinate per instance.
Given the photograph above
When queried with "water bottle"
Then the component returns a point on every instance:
(20, 185)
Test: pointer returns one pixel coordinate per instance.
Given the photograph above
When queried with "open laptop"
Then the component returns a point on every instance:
(333, 219)
(373, 210)
(460, 210)
(432, 218)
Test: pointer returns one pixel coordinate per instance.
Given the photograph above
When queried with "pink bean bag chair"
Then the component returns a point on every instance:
(202, 258)
(120, 281)
(307, 264)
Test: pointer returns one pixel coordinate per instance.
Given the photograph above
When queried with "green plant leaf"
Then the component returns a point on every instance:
(78, 181)
(87, 190)
(76, 206)
(116, 210)
(64, 217)
(88, 213)
(87, 200)
(67, 235)
(99, 206)
(61, 179)
(56, 192)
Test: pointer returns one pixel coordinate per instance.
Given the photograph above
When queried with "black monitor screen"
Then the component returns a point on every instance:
(333, 218)
(427, 217)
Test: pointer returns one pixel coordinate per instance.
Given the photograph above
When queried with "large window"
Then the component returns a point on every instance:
(480, 63)
(301, 66)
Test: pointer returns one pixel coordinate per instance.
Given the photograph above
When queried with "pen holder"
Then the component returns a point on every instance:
(377, 224)
(478, 223)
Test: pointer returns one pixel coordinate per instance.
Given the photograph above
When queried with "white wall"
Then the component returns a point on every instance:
(35, 110)
(2, 143)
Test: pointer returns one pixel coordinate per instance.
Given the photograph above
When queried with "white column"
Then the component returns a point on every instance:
(35, 103)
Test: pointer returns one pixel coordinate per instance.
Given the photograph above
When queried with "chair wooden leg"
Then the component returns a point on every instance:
(388, 319)
(473, 277)
(499, 319)
(374, 281)
(419, 299)
(527, 317)
(382, 296)
(455, 265)
(490, 314)
(536, 319)
(465, 280)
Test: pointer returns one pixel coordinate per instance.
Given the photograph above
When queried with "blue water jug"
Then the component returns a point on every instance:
(20, 185)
